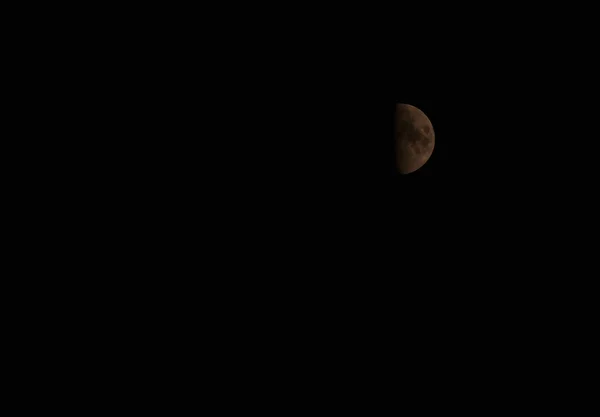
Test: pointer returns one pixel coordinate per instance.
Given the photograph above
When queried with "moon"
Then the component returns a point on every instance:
(415, 138)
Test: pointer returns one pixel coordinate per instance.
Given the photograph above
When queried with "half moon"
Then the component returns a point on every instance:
(415, 138)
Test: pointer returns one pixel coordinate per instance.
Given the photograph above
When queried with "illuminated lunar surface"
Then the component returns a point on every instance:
(415, 138)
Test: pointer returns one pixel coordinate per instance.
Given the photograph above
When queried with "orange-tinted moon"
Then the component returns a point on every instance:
(415, 138)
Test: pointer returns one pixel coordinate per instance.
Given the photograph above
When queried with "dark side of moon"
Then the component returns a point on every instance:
(415, 138)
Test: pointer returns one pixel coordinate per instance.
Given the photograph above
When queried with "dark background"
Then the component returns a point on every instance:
(273, 188)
